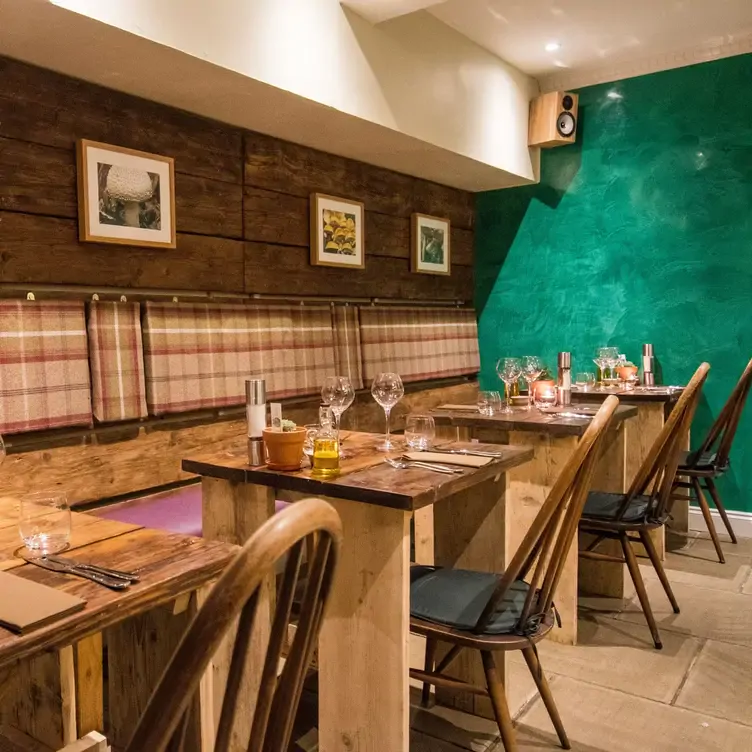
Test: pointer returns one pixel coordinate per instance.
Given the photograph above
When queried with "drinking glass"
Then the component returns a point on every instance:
(532, 368)
(545, 398)
(606, 357)
(509, 370)
(420, 431)
(44, 522)
(489, 403)
(585, 380)
(387, 390)
(338, 393)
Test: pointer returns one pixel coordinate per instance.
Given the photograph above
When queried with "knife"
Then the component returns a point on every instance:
(470, 452)
(118, 574)
(100, 579)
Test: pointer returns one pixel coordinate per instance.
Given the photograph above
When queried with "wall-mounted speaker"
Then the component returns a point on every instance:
(553, 119)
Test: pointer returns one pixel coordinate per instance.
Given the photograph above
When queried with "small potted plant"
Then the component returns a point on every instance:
(544, 382)
(627, 372)
(284, 446)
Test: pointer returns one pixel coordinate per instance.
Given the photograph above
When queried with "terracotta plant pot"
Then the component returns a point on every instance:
(626, 372)
(544, 384)
(284, 449)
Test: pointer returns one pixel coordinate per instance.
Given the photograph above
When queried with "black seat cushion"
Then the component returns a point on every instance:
(601, 505)
(457, 597)
(704, 461)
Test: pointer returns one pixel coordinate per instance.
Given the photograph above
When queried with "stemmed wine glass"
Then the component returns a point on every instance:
(387, 390)
(509, 370)
(338, 393)
(532, 367)
(606, 357)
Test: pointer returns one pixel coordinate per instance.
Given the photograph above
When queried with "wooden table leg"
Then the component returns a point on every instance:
(89, 685)
(40, 699)
(232, 513)
(602, 577)
(363, 648)
(528, 487)
(469, 534)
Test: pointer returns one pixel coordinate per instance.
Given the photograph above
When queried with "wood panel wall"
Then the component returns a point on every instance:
(241, 200)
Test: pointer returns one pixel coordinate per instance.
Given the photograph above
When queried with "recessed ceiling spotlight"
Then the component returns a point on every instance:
(553, 47)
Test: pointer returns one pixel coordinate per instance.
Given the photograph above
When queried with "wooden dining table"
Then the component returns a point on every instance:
(553, 437)
(52, 678)
(364, 644)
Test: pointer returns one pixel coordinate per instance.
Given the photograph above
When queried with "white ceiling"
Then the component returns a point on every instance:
(592, 33)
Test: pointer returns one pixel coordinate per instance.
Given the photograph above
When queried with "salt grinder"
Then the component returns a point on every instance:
(648, 366)
(255, 414)
(564, 381)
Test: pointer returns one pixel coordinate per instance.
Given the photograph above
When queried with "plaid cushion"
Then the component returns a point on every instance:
(117, 361)
(348, 355)
(419, 343)
(199, 355)
(44, 366)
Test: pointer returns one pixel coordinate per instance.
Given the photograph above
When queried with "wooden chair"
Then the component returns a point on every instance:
(489, 613)
(711, 460)
(645, 506)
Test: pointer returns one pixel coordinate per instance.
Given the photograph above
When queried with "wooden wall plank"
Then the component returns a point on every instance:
(272, 217)
(45, 250)
(48, 108)
(298, 170)
(42, 180)
(383, 277)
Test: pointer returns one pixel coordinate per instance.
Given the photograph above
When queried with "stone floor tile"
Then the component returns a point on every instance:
(705, 613)
(621, 655)
(604, 720)
(424, 743)
(703, 572)
(747, 586)
(703, 545)
(720, 683)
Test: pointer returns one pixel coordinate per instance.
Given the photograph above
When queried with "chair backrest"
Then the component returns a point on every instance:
(657, 473)
(723, 430)
(547, 543)
(312, 525)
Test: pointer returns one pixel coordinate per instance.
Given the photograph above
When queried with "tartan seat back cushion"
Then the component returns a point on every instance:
(199, 355)
(44, 366)
(419, 343)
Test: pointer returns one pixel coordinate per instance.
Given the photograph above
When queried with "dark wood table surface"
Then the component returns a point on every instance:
(169, 565)
(528, 420)
(637, 396)
(364, 476)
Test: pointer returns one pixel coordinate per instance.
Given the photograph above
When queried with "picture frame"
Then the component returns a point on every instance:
(337, 232)
(431, 245)
(125, 196)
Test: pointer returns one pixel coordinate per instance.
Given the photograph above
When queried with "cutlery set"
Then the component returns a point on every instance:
(114, 579)
(404, 462)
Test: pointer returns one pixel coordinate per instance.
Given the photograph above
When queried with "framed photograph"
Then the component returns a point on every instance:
(431, 249)
(337, 232)
(125, 196)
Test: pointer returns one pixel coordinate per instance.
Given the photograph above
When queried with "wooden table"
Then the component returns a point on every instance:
(553, 440)
(51, 677)
(653, 407)
(364, 645)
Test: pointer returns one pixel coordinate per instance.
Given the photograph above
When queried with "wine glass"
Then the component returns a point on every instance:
(338, 393)
(532, 367)
(606, 357)
(509, 370)
(387, 390)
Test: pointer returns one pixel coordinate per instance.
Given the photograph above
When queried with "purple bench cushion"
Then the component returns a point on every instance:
(176, 511)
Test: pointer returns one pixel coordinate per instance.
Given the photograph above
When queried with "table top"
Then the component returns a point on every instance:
(169, 565)
(521, 419)
(637, 396)
(364, 476)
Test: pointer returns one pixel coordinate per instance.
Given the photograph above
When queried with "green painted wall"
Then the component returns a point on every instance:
(640, 232)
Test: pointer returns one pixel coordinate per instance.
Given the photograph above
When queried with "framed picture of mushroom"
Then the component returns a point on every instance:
(337, 232)
(125, 196)
(430, 240)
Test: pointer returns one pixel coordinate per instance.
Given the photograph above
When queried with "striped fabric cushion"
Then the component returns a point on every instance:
(348, 355)
(117, 361)
(44, 366)
(419, 343)
(199, 355)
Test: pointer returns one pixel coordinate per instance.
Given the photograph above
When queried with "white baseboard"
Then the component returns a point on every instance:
(740, 521)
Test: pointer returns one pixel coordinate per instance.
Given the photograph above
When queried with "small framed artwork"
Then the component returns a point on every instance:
(431, 253)
(125, 196)
(337, 232)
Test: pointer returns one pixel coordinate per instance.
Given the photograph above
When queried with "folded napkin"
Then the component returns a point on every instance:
(466, 460)
(469, 408)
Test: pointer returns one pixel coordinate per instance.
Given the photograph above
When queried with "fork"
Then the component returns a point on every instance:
(402, 465)
(118, 574)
